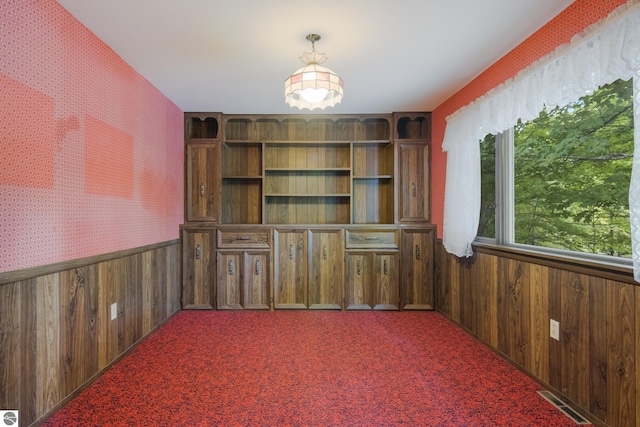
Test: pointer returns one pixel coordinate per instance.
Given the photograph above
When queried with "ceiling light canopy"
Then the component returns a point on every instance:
(313, 86)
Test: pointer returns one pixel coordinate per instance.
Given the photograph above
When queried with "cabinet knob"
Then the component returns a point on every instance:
(197, 251)
(417, 251)
(201, 190)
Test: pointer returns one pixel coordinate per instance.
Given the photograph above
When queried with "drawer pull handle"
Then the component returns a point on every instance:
(414, 189)
(371, 238)
(197, 251)
(244, 238)
(324, 252)
(290, 251)
(386, 270)
(359, 266)
(257, 267)
(417, 251)
(201, 190)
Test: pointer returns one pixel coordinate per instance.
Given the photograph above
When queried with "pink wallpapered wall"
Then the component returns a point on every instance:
(91, 154)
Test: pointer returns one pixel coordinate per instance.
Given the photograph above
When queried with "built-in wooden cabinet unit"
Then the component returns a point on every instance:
(328, 196)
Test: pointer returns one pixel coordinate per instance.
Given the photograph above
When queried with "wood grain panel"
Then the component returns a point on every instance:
(595, 363)
(442, 281)
(386, 292)
(538, 357)
(555, 313)
(28, 350)
(622, 352)
(413, 197)
(48, 341)
(131, 310)
(290, 269)
(107, 330)
(417, 269)
(198, 258)
(256, 280)
(326, 269)
(10, 356)
(204, 181)
(230, 278)
(598, 353)
(574, 334)
(486, 313)
(359, 281)
(78, 335)
(55, 329)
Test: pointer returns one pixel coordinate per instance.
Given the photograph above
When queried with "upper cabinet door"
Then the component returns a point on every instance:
(413, 171)
(204, 182)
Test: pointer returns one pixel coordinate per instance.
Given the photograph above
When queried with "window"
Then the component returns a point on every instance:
(570, 169)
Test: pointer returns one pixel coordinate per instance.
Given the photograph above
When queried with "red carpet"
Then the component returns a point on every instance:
(310, 368)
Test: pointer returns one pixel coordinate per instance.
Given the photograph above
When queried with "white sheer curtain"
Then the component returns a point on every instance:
(607, 51)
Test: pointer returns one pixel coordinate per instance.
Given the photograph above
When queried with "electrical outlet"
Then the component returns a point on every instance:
(554, 329)
(114, 310)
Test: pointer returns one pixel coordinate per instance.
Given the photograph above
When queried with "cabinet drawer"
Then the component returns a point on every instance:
(237, 238)
(363, 239)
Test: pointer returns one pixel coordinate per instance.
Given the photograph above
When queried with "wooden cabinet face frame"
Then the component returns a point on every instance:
(290, 281)
(418, 268)
(198, 260)
(243, 279)
(326, 269)
(203, 195)
(413, 172)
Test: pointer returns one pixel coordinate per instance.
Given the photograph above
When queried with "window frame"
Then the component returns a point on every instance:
(504, 240)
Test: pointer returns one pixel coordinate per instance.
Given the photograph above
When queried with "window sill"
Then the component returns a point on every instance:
(607, 267)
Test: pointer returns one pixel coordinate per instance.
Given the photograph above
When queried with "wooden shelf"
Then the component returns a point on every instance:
(309, 170)
(308, 195)
(373, 177)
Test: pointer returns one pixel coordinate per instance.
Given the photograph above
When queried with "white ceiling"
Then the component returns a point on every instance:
(233, 56)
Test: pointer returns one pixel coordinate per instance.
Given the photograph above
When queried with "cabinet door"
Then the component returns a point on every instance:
(198, 271)
(256, 280)
(413, 196)
(326, 265)
(290, 269)
(359, 281)
(385, 281)
(204, 182)
(230, 272)
(418, 269)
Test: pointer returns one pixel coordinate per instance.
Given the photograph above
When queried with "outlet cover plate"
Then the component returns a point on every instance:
(554, 329)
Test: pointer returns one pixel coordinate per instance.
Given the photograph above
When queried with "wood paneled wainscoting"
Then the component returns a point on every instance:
(507, 300)
(56, 332)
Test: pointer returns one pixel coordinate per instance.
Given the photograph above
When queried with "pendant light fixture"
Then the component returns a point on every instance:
(313, 86)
